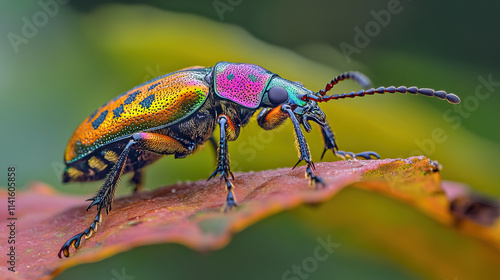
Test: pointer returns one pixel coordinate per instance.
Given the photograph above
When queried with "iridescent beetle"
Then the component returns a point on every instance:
(176, 113)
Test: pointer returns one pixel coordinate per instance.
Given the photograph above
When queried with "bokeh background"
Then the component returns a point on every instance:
(59, 61)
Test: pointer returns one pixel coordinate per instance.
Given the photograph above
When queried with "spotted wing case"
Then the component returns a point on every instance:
(242, 83)
(158, 103)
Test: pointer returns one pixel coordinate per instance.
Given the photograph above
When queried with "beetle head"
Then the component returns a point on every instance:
(281, 91)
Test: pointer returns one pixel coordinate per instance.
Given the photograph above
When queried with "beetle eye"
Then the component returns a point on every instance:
(277, 95)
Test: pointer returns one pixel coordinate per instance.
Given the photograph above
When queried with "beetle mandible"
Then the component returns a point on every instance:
(178, 112)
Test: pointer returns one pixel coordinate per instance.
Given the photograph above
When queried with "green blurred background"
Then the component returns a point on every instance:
(80, 54)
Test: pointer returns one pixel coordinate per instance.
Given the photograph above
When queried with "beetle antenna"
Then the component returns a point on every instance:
(441, 94)
(361, 79)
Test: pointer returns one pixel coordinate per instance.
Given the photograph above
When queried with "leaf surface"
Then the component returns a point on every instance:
(189, 213)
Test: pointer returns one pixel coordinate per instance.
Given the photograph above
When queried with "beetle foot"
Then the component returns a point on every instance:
(223, 171)
(230, 201)
(76, 240)
(101, 202)
(368, 155)
(313, 179)
(73, 241)
(363, 155)
(229, 206)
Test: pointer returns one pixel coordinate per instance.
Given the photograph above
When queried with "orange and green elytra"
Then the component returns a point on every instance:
(161, 102)
(177, 113)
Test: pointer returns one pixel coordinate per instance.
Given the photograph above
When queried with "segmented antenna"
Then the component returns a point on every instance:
(441, 94)
(361, 79)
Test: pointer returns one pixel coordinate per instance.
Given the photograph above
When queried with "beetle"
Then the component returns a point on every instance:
(176, 113)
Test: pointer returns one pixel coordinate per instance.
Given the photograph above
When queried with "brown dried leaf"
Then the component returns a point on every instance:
(189, 213)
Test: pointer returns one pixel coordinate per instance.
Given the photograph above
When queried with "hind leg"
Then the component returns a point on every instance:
(155, 143)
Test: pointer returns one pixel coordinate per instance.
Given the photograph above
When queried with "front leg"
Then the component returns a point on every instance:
(303, 148)
(330, 144)
(223, 168)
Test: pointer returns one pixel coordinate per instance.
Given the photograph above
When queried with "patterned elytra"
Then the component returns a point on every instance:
(242, 83)
(154, 104)
(118, 111)
(97, 122)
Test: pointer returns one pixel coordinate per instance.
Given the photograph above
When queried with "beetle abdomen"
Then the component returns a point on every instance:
(158, 103)
(97, 165)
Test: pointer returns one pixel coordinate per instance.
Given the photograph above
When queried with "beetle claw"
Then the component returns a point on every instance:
(313, 179)
(297, 163)
(230, 203)
(72, 242)
(307, 160)
(213, 174)
(229, 207)
(96, 200)
(327, 148)
(223, 172)
(324, 152)
(76, 240)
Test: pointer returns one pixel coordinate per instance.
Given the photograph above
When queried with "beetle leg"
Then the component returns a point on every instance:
(303, 148)
(151, 142)
(330, 144)
(102, 200)
(328, 139)
(137, 180)
(223, 167)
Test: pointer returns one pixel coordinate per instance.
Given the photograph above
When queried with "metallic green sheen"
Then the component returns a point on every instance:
(294, 89)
